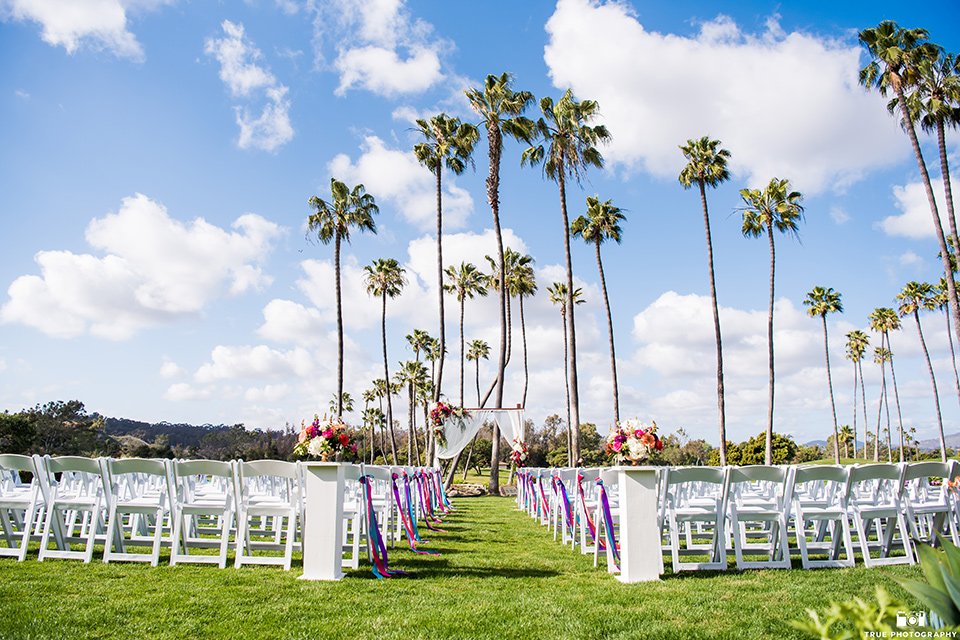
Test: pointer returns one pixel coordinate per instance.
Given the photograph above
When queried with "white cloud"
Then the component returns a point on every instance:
(172, 370)
(839, 215)
(247, 79)
(259, 363)
(820, 129)
(268, 393)
(74, 24)
(395, 176)
(183, 392)
(383, 72)
(23, 95)
(916, 221)
(155, 270)
(380, 46)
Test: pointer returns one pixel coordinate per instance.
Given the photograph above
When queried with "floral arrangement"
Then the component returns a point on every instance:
(323, 438)
(634, 441)
(519, 454)
(441, 413)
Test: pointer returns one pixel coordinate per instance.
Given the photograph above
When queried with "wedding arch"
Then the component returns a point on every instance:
(460, 431)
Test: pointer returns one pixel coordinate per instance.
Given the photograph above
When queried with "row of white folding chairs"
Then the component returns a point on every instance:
(73, 501)
(721, 510)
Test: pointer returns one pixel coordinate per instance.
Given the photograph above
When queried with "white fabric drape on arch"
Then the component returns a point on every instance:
(510, 422)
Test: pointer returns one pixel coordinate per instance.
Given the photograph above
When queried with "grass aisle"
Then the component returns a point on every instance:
(499, 576)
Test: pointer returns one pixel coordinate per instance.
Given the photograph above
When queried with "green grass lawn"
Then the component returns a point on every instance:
(499, 575)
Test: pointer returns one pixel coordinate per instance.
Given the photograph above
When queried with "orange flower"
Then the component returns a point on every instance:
(648, 440)
(302, 437)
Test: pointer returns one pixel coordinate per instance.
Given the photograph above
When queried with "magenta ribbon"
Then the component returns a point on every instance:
(406, 514)
(608, 520)
(558, 485)
(379, 549)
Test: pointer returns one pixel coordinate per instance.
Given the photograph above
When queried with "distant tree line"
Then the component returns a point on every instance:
(65, 428)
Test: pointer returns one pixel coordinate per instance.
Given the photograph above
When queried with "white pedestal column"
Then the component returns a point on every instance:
(323, 525)
(641, 559)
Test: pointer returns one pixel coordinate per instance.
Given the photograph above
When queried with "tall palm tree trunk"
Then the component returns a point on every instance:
(462, 353)
(953, 353)
(526, 372)
(613, 357)
(571, 331)
(833, 405)
(863, 399)
(386, 378)
(336, 259)
(495, 145)
(933, 379)
(855, 412)
(566, 385)
(443, 340)
(932, 201)
(883, 396)
(896, 396)
(947, 188)
(768, 456)
(716, 327)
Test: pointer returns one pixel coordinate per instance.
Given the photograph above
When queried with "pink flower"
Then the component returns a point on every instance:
(328, 433)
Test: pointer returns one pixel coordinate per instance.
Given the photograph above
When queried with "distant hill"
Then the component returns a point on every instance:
(187, 435)
(931, 444)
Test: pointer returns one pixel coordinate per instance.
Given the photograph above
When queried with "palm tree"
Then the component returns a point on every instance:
(478, 349)
(385, 390)
(369, 396)
(774, 207)
(913, 297)
(707, 167)
(558, 296)
(522, 283)
(332, 221)
(602, 223)
(857, 343)
(501, 111)
(845, 435)
(942, 301)
(935, 102)
(885, 320)
(419, 341)
(413, 374)
(881, 356)
(346, 401)
(821, 302)
(385, 278)
(448, 142)
(464, 282)
(896, 57)
(570, 150)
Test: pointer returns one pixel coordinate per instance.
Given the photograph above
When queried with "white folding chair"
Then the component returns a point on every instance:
(203, 505)
(20, 503)
(267, 489)
(874, 503)
(820, 498)
(929, 507)
(760, 495)
(138, 489)
(697, 496)
(74, 513)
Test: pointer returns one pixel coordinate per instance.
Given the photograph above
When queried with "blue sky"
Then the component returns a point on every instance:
(157, 157)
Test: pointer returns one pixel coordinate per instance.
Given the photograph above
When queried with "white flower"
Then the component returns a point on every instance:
(317, 446)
